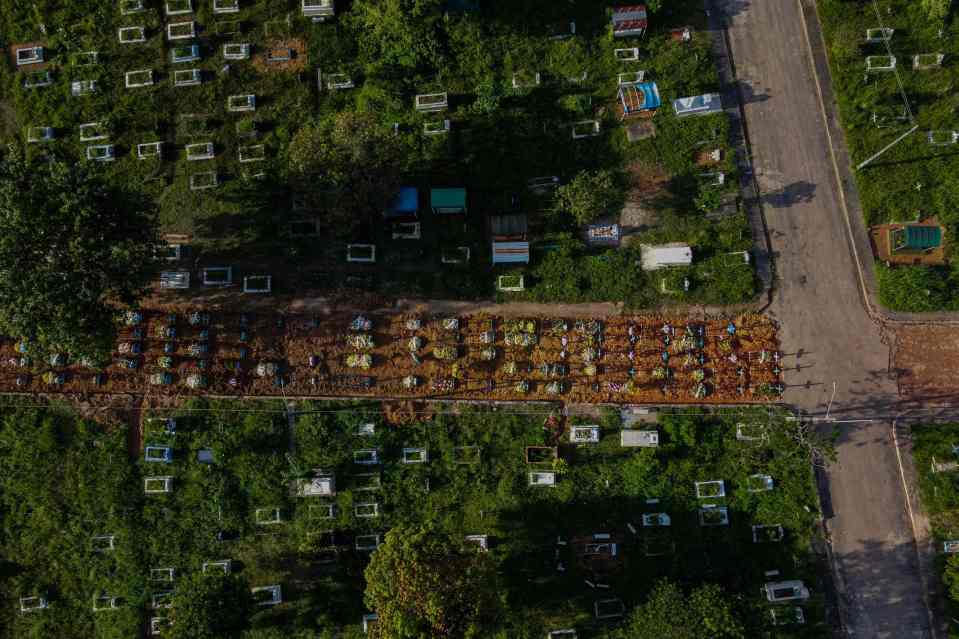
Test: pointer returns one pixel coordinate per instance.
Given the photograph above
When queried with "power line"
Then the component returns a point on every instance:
(886, 41)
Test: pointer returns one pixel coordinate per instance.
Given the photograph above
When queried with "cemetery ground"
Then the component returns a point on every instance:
(915, 180)
(619, 359)
(514, 89)
(298, 496)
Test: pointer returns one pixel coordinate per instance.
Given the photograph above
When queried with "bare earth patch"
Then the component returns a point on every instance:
(287, 55)
(927, 359)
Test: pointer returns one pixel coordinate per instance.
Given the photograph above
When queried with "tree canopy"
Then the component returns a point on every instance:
(423, 583)
(351, 161)
(72, 252)
(706, 613)
(209, 607)
(589, 195)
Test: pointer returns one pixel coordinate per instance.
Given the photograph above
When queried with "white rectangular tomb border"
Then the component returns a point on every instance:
(925, 61)
(317, 8)
(217, 275)
(204, 180)
(29, 55)
(93, 131)
(257, 283)
(880, 62)
(185, 53)
(32, 604)
(181, 30)
(431, 102)
(178, 7)
(83, 87)
(139, 78)
(268, 516)
(542, 478)
(236, 51)
(200, 151)
(710, 489)
(879, 34)
(187, 78)
(131, 35)
(174, 280)
(238, 103)
(158, 485)
(147, 150)
(438, 127)
(584, 434)
(778, 591)
(415, 456)
(226, 6)
(267, 595)
(101, 153)
(254, 153)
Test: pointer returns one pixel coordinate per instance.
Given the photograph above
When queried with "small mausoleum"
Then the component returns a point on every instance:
(698, 105)
(915, 243)
(639, 99)
(448, 201)
(630, 21)
(665, 256)
(405, 206)
(510, 253)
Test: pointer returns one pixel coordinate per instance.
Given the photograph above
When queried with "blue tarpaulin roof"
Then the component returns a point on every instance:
(640, 96)
(406, 202)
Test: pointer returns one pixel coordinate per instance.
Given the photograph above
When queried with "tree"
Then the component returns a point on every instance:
(209, 607)
(73, 251)
(351, 162)
(589, 195)
(400, 34)
(705, 614)
(423, 584)
(937, 9)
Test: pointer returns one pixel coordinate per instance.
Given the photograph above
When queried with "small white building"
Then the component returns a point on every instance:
(639, 438)
(778, 591)
(698, 105)
(655, 257)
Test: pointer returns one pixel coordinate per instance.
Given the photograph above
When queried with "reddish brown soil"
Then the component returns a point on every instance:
(295, 64)
(734, 367)
(926, 358)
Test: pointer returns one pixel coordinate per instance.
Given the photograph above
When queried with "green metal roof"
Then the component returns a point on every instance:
(920, 238)
(448, 198)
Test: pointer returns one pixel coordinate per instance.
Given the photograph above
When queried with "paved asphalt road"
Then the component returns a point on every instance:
(827, 334)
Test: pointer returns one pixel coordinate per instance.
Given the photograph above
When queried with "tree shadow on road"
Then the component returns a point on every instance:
(795, 193)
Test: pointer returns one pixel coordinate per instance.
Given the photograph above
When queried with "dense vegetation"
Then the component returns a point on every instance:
(73, 253)
(915, 180)
(65, 480)
(940, 498)
(333, 156)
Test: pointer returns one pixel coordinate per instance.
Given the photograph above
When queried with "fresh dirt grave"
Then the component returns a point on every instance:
(638, 359)
(926, 357)
(287, 54)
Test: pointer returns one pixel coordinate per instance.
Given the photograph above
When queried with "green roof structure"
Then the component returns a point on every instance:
(448, 200)
(916, 238)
